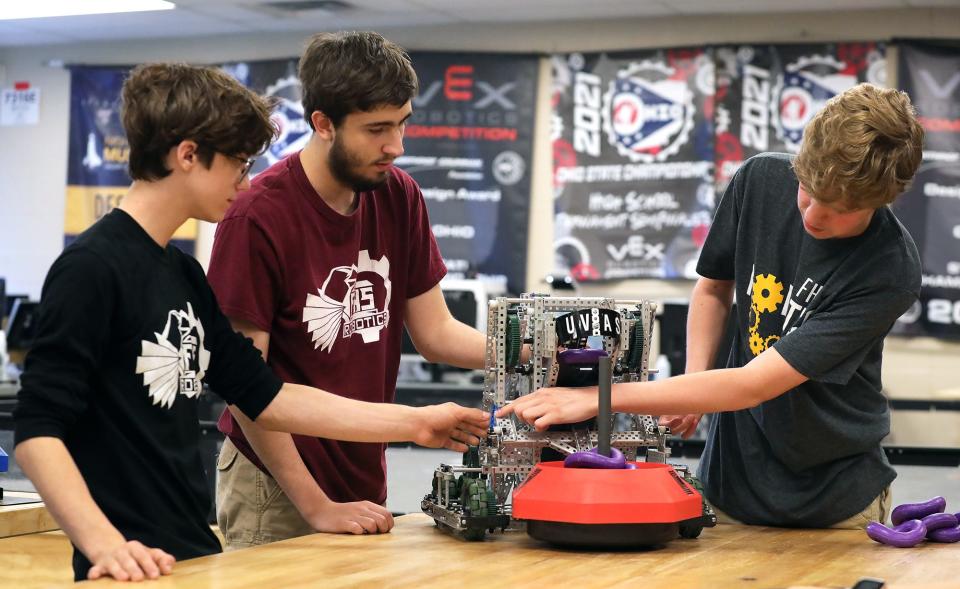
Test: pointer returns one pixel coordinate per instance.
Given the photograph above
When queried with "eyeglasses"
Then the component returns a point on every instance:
(247, 164)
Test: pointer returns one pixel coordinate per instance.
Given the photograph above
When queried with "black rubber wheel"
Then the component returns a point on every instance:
(690, 531)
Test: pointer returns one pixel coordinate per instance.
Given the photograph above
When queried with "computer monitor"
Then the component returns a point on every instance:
(22, 324)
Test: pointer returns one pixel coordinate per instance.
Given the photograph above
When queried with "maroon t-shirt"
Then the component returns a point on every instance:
(330, 289)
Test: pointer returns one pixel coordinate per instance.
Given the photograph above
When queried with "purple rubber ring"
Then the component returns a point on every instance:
(593, 459)
(907, 534)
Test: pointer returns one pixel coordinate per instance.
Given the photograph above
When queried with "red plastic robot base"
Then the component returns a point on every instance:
(605, 508)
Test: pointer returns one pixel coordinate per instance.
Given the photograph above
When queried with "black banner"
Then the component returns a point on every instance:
(930, 210)
(468, 145)
(633, 162)
(766, 94)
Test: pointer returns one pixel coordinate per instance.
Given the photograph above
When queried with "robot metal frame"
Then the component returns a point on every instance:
(471, 499)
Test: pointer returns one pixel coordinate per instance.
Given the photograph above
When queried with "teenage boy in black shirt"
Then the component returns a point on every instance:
(106, 423)
(821, 269)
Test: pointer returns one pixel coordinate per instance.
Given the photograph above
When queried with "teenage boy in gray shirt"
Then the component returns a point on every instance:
(821, 268)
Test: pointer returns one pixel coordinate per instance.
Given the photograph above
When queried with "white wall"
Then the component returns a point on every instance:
(33, 159)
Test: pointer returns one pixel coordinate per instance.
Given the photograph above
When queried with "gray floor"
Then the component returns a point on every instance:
(410, 471)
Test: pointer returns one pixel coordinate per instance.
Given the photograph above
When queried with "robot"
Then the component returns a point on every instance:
(567, 337)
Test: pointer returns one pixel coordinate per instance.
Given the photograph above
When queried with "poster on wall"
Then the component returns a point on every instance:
(930, 209)
(468, 145)
(632, 140)
(98, 152)
(766, 94)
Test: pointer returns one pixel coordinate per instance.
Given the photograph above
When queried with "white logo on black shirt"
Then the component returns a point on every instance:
(356, 297)
(169, 367)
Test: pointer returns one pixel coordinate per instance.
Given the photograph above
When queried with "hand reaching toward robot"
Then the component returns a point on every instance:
(550, 406)
(682, 425)
(450, 426)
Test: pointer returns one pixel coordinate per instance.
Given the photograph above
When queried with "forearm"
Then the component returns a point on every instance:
(706, 322)
(48, 464)
(456, 344)
(305, 410)
(279, 454)
(699, 392)
(727, 389)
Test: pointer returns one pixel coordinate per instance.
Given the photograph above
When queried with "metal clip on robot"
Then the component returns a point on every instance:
(600, 483)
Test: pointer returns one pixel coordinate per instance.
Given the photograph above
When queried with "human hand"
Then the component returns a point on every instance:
(357, 517)
(681, 425)
(450, 426)
(131, 561)
(553, 405)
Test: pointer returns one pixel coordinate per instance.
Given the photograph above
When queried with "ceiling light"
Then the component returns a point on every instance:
(48, 8)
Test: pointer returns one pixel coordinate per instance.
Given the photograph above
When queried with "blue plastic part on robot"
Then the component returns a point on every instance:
(4, 461)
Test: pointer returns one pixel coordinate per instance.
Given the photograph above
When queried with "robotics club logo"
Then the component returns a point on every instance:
(804, 88)
(647, 113)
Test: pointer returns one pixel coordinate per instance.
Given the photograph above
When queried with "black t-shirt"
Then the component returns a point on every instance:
(812, 456)
(127, 332)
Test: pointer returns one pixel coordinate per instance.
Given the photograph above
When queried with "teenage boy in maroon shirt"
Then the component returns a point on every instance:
(321, 263)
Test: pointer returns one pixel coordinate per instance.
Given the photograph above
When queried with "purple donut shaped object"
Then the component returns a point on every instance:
(909, 511)
(593, 459)
(936, 521)
(581, 356)
(905, 535)
(946, 535)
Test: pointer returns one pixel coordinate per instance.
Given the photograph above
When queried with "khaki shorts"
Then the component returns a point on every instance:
(878, 511)
(251, 507)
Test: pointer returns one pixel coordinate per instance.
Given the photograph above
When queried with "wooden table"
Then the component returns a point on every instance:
(415, 554)
(24, 518)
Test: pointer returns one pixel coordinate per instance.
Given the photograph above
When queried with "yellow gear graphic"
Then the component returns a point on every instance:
(767, 293)
(756, 343)
(770, 340)
(753, 317)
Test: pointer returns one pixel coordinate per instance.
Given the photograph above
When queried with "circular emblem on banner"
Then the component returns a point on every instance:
(706, 77)
(912, 314)
(508, 167)
(288, 116)
(647, 115)
(877, 70)
(802, 90)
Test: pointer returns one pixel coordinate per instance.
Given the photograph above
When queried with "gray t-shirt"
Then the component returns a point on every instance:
(810, 457)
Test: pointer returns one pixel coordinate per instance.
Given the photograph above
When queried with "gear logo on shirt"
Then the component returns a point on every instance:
(353, 300)
(177, 362)
(765, 297)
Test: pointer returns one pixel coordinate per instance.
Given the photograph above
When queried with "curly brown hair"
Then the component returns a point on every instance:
(862, 149)
(166, 103)
(347, 72)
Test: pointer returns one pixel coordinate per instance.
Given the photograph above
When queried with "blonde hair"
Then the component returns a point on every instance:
(862, 149)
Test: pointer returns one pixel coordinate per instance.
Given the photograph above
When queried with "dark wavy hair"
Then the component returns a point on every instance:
(164, 104)
(347, 72)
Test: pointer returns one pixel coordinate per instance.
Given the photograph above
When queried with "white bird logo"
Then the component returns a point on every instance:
(167, 369)
(325, 312)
